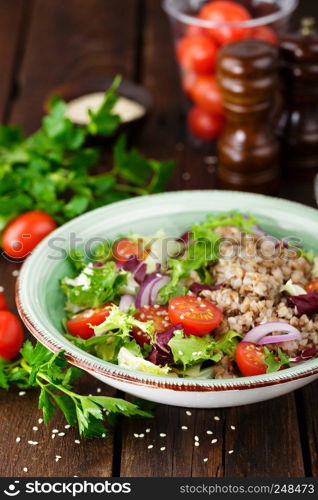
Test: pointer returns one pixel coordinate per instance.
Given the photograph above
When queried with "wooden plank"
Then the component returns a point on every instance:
(11, 16)
(308, 423)
(66, 41)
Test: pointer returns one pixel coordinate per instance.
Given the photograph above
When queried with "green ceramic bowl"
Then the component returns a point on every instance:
(40, 300)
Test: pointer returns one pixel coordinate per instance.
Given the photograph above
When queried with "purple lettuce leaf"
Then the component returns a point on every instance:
(306, 303)
(161, 354)
(196, 288)
(305, 355)
(137, 267)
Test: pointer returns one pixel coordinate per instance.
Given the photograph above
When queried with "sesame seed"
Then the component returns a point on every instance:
(162, 448)
(25, 469)
(35, 428)
(184, 428)
(67, 426)
(217, 418)
(18, 439)
(188, 412)
(197, 443)
(205, 459)
(22, 393)
(53, 436)
(214, 441)
(186, 176)
(40, 421)
(98, 390)
(209, 432)
(77, 441)
(141, 435)
(162, 435)
(61, 434)
(1, 289)
(180, 353)
(196, 438)
(55, 431)
(231, 451)
(57, 458)
(103, 435)
(34, 443)
(233, 427)
(150, 446)
(15, 273)
(210, 160)
(136, 435)
(147, 430)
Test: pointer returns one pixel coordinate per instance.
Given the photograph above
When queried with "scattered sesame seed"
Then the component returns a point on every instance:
(147, 430)
(67, 426)
(25, 469)
(188, 412)
(15, 273)
(196, 443)
(150, 446)
(214, 441)
(98, 390)
(40, 420)
(22, 393)
(53, 436)
(136, 435)
(34, 443)
(196, 438)
(217, 418)
(1, 289)
(205, 459)
(61, 434)
(209, 432)
(77, 441)
(35, 428)
(103, 435)
(162, 435)
(18, 439)
(233, 427)
(180, 353)
(186, 176)
(231, 451)
(184, 428)
(162, 448)
(141, 435)
(57, 458)
(55, 431)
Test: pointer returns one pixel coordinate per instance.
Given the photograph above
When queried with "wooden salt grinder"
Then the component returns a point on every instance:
(298, 124)
(248, 150)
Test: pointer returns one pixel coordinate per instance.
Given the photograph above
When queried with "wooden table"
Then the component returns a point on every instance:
(43, 45)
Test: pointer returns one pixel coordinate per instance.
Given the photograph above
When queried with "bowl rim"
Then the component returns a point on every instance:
(286, 8)
(96, 365)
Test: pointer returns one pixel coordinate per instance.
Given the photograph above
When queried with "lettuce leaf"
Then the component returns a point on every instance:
(128, 359)
(123, 322)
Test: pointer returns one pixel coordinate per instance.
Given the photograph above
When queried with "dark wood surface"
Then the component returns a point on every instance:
(47, 44)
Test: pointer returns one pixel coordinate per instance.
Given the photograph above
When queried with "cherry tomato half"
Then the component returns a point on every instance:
(312, 286)
(23, 234)
(125, 249)
(157, 314)
(204, 124)
(11, 335)
(250, 359)
(79, 325)
(197, 316)
(197, 53)
(206, 94)
(225, 11)
(3, 303)
(264, 33)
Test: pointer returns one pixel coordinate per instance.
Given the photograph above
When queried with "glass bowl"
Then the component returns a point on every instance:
(198, 40)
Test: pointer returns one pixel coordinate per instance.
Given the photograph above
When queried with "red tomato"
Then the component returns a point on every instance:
(197, 316)
(204, 124)
(11, 335)
(79, 325)
(197, 53)
(225, 11)
(250, 359)
(264, 33)
(3, 303)
(206, 94)
(157, 314)
(312, 286)
(193, 30)
(124, 249)
(23, 234)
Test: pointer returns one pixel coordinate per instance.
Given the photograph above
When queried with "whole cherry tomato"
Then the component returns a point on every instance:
(11, 335)
(125, 249)
(264, 33)
(204, 124)
(197, 53)
(23, 234)
(206, 94)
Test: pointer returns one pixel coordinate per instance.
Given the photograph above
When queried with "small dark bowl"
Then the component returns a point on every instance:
(131, 90)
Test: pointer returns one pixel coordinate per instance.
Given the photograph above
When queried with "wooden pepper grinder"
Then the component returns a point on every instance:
(298, 123)
(248, 150)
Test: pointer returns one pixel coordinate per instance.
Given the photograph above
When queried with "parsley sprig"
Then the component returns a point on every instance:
(52, 169)
(38, 367)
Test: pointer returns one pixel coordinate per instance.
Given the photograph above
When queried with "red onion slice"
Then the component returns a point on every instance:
(258, 335)
(126, 302)
(156, 287)
(143, 295)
